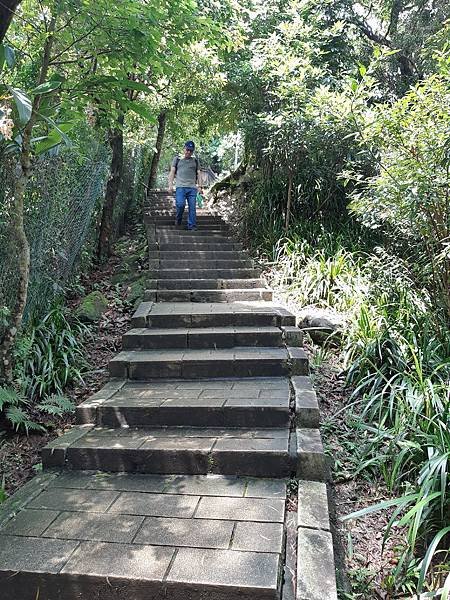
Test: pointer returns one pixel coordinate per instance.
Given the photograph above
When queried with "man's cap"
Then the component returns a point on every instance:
(190, 145)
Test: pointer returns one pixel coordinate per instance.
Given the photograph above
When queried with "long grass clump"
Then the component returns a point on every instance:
(396, 356)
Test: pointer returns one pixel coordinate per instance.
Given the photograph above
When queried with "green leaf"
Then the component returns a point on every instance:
(10, 56)
(48, 86)
(446, 589)
(380, 506)
(23, 104)
(429, 556)
(417, 507)
(54, 138)
(142, 111)
(7, 55)
(362, 70)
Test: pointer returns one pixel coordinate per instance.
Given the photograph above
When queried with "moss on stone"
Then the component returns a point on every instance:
(92, 307)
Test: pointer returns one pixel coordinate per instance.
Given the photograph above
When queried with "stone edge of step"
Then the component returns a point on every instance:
(308, 462)
(316, 574)
(282, 316)
(207, 295)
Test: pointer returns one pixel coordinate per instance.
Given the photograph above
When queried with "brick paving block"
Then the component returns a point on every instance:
(313, 505)
(193, 402)
(244, 574)
(285, 318)
(302, 382)
(94, 527)
(293, 336)
(144, 370)
(206, 385)
(311, 461)
(33, 554)
(299, 364)
(265, 488)
(155, 505)
(206, 485)
(12, 505)
(241, 509)
(127, 482)
(247, 392)
(30, 522)
(233, 445)
(185, 532)
(244, 402)
(139, 318)
(76, 500)
(307, 409)
(187, 443)
(97, 440)
(54, 453)
(255, 457)
(258, 537)
(148, 339)
(316, 578)
(148, 563)
(118, 366)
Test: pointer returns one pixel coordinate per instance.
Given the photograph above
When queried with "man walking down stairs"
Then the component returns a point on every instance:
(180, 480)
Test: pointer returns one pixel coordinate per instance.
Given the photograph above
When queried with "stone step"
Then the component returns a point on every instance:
(258, 402)
(183, 244)
(244, 273)
(208, 295)
(185, 263)
(181, 450)
(208, 337)
(169, 216)
(190, 254)
(202, 228)
(85, 535)
(203, 363)
(196, 236)
(190, 314)
(204, 284)
(168, 221)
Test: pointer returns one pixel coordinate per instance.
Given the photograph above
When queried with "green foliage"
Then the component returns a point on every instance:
(408, 196)
(50, 353)
(15, 408)
(396, 351)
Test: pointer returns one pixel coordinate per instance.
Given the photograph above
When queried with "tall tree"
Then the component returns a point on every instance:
(7, 11)
(162, 119)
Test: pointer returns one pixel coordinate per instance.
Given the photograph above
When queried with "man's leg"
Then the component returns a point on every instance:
(191, 194)
(180, 201)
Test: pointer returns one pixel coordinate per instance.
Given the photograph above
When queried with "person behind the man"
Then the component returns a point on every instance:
(185, 172)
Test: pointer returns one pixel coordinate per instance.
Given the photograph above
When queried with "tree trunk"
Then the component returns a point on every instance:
(288, 202)
(7, 10)
(112, 189)
(162, 118)
(17, 222)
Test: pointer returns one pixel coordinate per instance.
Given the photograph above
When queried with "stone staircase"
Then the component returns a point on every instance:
(174, 483)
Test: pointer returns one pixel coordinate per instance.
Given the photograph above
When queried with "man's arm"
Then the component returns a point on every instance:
(171, 178)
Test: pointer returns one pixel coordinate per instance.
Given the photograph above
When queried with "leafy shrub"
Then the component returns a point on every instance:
(50, 354)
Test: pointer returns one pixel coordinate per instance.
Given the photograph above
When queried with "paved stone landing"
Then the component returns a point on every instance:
(163, 534)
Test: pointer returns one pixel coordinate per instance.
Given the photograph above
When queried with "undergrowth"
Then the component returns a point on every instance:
(49, 356)
(395, 348)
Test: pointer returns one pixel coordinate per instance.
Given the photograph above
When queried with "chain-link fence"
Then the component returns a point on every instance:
(62, 204)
